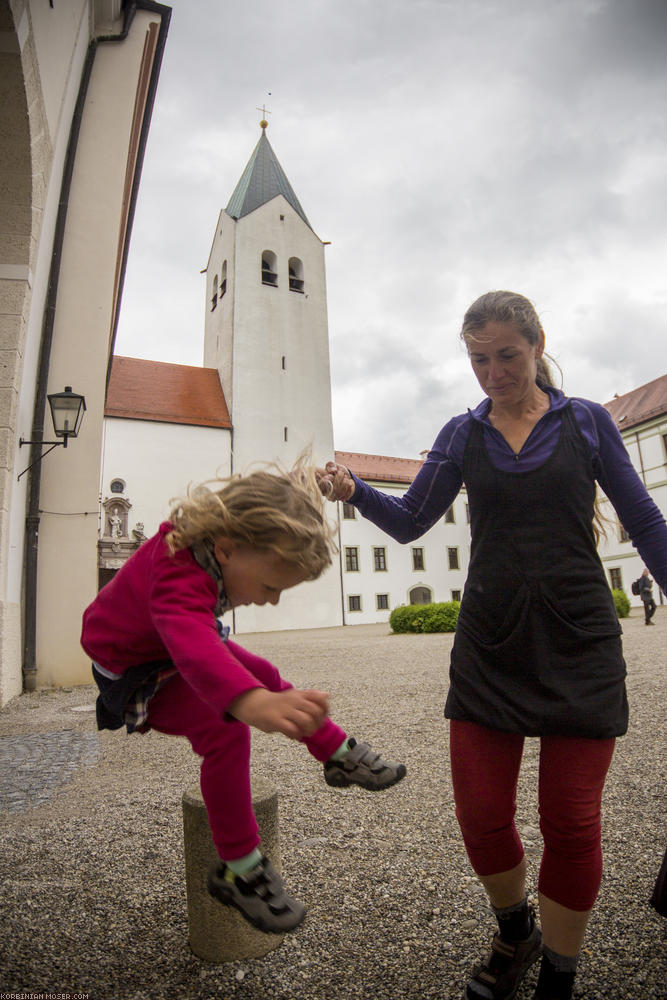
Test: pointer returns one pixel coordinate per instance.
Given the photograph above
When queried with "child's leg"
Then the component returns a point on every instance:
(327, 739)
(354, 763)
(225, 770)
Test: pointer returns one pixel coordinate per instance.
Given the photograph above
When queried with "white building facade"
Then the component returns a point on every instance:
(641, 417)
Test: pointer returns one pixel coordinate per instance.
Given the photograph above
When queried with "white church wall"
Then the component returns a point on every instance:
(400, 576)
(158, 461)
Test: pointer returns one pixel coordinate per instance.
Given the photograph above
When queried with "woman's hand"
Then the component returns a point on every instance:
(335, 482)
(293, 713)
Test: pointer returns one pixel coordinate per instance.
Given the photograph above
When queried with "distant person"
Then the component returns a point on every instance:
(646, 594)
(163, 661)
(537, 650)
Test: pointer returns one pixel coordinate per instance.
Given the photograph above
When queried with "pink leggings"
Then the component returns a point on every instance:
(485, 771)
(224, 745)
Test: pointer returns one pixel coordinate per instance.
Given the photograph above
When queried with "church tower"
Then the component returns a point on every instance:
(266, 325)
(266, 332)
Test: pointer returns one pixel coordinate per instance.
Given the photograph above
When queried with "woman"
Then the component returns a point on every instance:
(537, 650)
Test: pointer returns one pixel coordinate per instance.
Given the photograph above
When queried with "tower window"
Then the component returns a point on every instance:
(269, 268)
(295, 275)
(223, 280)
(214, 297)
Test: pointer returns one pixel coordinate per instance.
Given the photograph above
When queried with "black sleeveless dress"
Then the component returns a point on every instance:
(537, 649)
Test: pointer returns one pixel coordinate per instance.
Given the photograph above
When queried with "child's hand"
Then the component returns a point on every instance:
(294, 713)
(335, 482)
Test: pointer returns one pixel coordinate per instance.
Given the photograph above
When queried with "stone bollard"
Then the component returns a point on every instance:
(219, 933)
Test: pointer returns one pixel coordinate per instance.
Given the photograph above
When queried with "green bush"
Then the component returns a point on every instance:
(440, 617)
(622, 603)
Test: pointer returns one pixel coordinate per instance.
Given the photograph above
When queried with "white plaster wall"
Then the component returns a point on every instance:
(158, 462)
(70, 477)
(54, 30)
(399, 578)
(57, 40)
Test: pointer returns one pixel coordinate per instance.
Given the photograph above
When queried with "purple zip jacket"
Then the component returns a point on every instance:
(438, 482)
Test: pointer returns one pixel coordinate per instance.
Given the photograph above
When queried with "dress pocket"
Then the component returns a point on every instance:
(589, 616)
(492, 619)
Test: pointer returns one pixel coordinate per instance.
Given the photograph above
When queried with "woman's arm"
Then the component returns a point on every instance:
(432, 492)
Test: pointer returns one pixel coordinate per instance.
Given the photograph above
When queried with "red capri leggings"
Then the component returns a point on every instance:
(485, 771)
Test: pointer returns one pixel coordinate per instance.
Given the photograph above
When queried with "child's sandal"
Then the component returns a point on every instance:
(362, 766)
(259, 896)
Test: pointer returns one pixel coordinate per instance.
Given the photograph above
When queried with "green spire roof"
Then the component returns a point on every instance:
(262, 179)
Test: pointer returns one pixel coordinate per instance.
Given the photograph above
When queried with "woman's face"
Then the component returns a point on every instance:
(504, 363)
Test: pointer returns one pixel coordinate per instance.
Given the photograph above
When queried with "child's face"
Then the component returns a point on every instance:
(254, 576)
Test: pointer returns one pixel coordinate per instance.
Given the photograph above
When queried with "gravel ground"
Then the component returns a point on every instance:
(93, 895)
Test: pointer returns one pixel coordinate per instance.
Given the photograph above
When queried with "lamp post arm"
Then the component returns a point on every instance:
(54, 444)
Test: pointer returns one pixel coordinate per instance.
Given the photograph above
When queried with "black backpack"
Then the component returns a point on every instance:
(635, 587)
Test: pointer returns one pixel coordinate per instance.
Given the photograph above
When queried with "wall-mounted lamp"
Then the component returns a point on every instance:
(67, 409)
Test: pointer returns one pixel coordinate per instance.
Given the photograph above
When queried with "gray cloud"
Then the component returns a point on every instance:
(444, 148)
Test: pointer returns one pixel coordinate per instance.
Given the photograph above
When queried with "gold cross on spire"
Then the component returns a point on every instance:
(263, 123)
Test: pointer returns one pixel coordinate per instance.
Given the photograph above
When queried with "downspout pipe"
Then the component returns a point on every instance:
(37, 432)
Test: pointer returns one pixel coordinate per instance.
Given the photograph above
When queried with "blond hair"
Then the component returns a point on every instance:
(275, 511)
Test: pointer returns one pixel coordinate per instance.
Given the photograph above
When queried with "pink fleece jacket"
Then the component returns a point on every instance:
(160, 607)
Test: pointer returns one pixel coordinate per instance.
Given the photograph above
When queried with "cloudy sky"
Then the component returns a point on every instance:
(445, 148)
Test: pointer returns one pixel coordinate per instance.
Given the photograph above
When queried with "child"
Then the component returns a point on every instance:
(163, 661)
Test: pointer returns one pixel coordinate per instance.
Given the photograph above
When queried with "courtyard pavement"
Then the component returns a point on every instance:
(93, 890)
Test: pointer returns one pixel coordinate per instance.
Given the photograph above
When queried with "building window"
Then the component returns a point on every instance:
(349, 512)
(283, 363)
(417, 559)
(269, 268)
(382, 602)
(616, 579)
(354, 602)
(214, 296)
(117, 485)
(295, 275)
(453, 558)
(351, 558)
(456, 595)
(284, 434)
(467, 506)
(223, 280)
(449, 515)
(623, 536)
(379, 558)
(420, 595)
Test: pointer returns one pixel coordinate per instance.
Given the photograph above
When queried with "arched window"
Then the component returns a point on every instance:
(421, 595)
(295, 275)
(214, 296)
(269, 268)
(223, 279)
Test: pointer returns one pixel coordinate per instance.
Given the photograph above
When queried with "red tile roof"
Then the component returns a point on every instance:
(644, 403)
(380, 468)
(172, 394)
